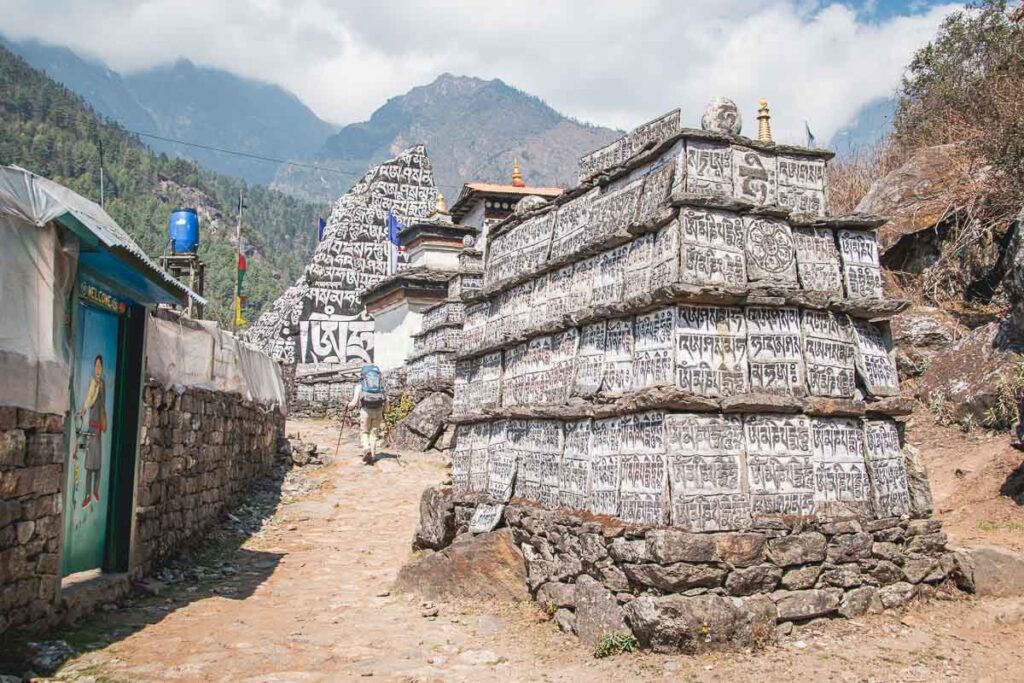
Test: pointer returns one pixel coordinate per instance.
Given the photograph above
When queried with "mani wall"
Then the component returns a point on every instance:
(320, 322)
(431, 364)
(687, 339)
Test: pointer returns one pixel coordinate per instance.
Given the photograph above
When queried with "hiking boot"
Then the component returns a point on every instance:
(367, 458)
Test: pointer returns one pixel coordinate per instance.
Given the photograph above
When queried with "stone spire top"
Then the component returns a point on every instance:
(764, 125)
(517, 177)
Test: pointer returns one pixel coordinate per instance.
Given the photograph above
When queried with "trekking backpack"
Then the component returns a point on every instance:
(371, 385)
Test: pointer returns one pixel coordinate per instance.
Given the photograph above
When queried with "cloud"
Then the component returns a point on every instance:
(605, 61)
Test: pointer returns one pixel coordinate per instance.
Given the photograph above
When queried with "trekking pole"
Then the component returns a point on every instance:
(341, 430)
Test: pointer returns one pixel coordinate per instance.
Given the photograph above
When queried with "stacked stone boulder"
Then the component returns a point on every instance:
(689, 362)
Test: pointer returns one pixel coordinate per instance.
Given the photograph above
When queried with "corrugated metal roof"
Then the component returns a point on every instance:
(27, 194)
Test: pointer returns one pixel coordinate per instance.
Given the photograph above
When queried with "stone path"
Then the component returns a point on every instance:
(309, 602)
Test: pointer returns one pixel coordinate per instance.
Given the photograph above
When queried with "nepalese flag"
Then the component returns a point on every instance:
(241, 269)
(320, 230)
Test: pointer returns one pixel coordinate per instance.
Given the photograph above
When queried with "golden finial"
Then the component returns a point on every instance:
(517, 177)
(764, 125)
(440, 207)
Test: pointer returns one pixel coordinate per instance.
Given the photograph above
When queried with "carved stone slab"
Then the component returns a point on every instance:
(527, 367)
(779, 469)
(840, 473)
(802, 184)
(529, 467)
(613, 210)
(754, 176)
(646, 136)
(769, 250)
(704, 454)
(581, 293)
(590, 361)
(828, 354)
(574, 476)
(654, 349)
(469, 454)
(561, 377)
(638, 267)
(708, 168)
(861, 272)
(874, 358)
(501, 463)
(711, 247)
(817, 260)
(886, 468)
(642, 489)
(618, 356)
(523, 249)
(711, 350)
(477, 383)
(474, 328)
(657, 187)
(776, 356)
(665, 258)
(570, 231)
(610, 276)
(449, 312)
(485, 518)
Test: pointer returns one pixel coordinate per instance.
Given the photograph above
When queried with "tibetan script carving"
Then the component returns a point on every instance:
(708, 168)
(779, 469)
(711, 350)
(861, 272)
(771, 258)
(817, 260)
(711, 247)
(875, 364)
(776, 354)
(704, 454)
(754, 177)
(886, 468)
(828, 354)
(840, 474)
(654, 349)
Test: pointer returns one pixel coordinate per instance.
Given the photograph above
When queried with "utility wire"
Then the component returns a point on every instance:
(258, 157)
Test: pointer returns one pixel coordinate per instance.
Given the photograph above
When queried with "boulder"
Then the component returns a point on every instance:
(916, 195)
(408, 440)
(428, 417)
(797, 549)
(964, 380)
(486, 566)
(919, 334)
(987, 570)
(690, 625)
(675, 577)
(849, 547)
(597, 612)
(806, 604)
(801, 578)
(557, 594)
(668, 545)
(749, 580)
(918, 484)
(740, 549)
(859, 601)
(436, 528)
(896, 595)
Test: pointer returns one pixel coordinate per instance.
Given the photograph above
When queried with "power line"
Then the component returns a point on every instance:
(259, 157)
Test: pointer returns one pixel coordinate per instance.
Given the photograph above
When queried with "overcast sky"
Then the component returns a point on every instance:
(616, 62)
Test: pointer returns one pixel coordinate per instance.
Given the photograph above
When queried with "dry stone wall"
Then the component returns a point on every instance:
(198, 450)
(686, 340)
(31, 481)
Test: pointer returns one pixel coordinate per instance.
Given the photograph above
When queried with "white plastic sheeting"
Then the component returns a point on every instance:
(200, 354)
(36, 277)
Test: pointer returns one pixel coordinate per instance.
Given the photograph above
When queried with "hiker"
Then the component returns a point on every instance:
(369, 396)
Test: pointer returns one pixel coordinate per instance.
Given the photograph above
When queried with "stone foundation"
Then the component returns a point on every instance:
(678, 591)
(31, 481)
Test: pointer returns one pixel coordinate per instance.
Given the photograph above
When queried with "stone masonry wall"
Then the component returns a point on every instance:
(199, 450)
(31, 477)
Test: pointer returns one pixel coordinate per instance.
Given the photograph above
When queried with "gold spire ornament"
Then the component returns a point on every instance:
(764, 124)
(517, 177)
(440, 207)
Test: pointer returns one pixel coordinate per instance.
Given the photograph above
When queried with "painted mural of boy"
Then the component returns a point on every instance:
(94, 413)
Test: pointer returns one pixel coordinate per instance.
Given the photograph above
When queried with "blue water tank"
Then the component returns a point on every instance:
(183, 230)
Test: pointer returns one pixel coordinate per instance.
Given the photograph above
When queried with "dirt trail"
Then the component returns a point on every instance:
(309, 603)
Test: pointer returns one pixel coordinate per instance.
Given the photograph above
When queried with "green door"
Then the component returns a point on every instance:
(88, 490)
